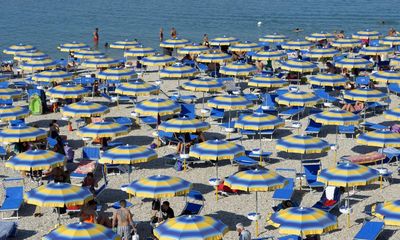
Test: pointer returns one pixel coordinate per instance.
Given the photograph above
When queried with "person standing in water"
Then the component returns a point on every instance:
(96, 38)
(173, 33)
(161, 34)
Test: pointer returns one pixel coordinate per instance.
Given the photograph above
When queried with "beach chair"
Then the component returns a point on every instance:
(8, 230)
(194, 203)
(51, 142)
(370, 230)
(291, 112)
(246, 162)
(91, 153)
(14, 196)
(126, 121)
(313, 127)
(3, 153)
(188, 110)
(285, 193)
(321, 93)
(347, 130)
(329, 200)
(7, 102)
(168, 137)
(251, 96)
(149, 120)
(290, 237)
(394, 87)
(202, 68)
(217, 114)
(311, 169)
(362, 81)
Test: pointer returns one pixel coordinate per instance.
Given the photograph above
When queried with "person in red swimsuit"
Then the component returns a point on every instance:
(96, 37)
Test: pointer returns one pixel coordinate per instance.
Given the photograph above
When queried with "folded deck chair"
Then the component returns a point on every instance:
(194, 203)
(313, 127)
(311, 169)
(370, 230)
(188, 110)
(91, 153)
(14, 196)
(8, 230)
(329, 200)
(3, 153)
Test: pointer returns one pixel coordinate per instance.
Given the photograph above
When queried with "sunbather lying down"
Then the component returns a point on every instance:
(358, 106)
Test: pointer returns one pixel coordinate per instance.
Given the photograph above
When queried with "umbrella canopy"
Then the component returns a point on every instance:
(267, 81)
(353, 62)
(117, 74)
(8, 93)
(88, 54)
(174, 43)
(73, 46)
(58, 195)
(302, 144)
(336, 117)
(55, 75)
(245, 47)
(259, 121)
(229, 102)
(364, 95)
(136, 88)
(392, 114)
(184, 125)
(322, 53)
(237, 69)
(68, 91)
(297, 45)
(379, 138)
(8, 113)
(296, 65)
(23, 133)
(376, 50)
(269, 55)
(4, 77)
(390, 40)
(193, 49)
(178, 70)
(367, 34)
(216, 150)
(139, 51)
(303, 221)
(128, 154)
(214, 57)
(36, 160)
(103, 129)
(126, 44)
(395, 62)
(188, 227)
(157, 106)
(298, 98)
(82, 231)
(327, 79)
(203, 85)
(84, 109)
(315, 37)
(346, 43)
(38, 65)
(158, 60)
(273, 38)
(389, 212)
(159, 186)
(101, 62)
(223, 41)
(19, 48)
(388, 76)
(30, 55)
(258, 180)
(348, 175)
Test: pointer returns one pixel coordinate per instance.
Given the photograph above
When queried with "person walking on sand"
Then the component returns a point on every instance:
(122, 220)
(173, 33)
(96, 37)
(161, 34)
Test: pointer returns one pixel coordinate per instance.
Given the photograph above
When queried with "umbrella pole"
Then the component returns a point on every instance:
(129, 173)
(348, 206)
(336, 142)
(184, 152)
(229, 124)
(58, 216)
(260, 150)
(202, 112)
(256, 214)
(301, 169)
(216, 186)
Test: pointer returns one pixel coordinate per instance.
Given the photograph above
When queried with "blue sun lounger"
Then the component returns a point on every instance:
(313, 127)
(369, 231)
(291, 112)
(286, 192)
(194, 203)
(336, 197)
(8, 230)
(14, 197)
(311, 169)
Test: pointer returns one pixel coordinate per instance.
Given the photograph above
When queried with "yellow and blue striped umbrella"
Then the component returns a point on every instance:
(346, 43)
(223, 41)
(388, 76)
(19, 48)
(139, 51)
(158, 60)
(392, 114)
(327, 79)
(303, 221)
(184, 125)
(84, 109)
(68, 91)
(259, 121)
(245, 46)
(336, 117)
(190, 227)
(297, 65)
(379, 138)
(389, 212)
(348, 175)
(229, 102)
(117, 74)
(36, 160)
(214, 57)
(8, 93)
(128, 154)
(298, 98)
(8, 113)
(353, 62)
(4, 77)
(395, 62)
(390, 40)
(126, 44)
(82, 231)
(322, 53)
(38, 65)
(367, 34)
(103, 129)
(267, 81)
(72, 47)
(193, 49)
(297, 45)
(269, 55)
(30, 55)
(136, 88)
(203, 85)
(237, 69)
(315, 37)
(174, 43)
(376, 50)
(273, 38)
(58, 195)
(22, 133)
(364, 95)
(159, 186)
(302, 144)
(157, 106)
(178, 70)
(88, 54)
(101, 62)
(216, 150)
(55, 75)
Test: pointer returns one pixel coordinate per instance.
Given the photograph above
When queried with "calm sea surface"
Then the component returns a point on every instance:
(47, 23)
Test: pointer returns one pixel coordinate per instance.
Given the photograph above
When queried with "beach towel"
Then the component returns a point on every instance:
(367, 158)
(35, 105)
(85, 167)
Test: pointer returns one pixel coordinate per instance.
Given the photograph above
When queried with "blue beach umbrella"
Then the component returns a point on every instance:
(126, 44)
(55, 75)
(36, 160)
(23, 133)
(299, 66)
(38, 65)
(8, 113)
(237, 69)
(19, 48)
(139, 51)
(297, 45)
(174, 43)
(117, 74)
(223, 41)
(346, 43)
(84, 109)
(273, 38)
(72, 47)
(367, 34)
(327, 79)
(82, 231)
(102, 130)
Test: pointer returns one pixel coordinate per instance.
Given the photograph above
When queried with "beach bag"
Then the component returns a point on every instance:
(35, 105)
(178, 166)
(135, 236)
(69, 153)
